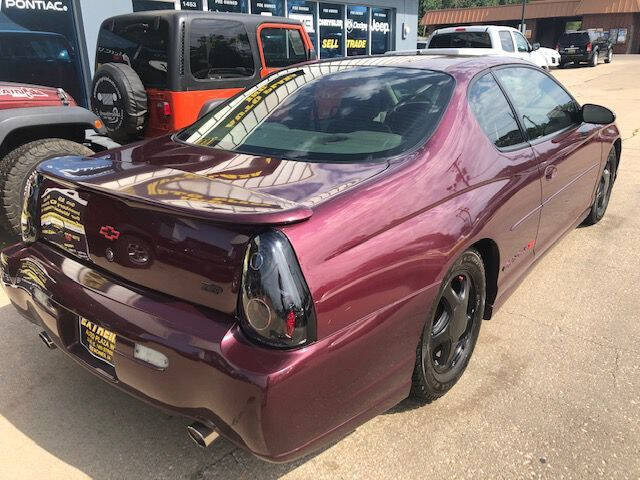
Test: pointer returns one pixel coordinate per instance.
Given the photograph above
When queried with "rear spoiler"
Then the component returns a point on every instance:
(183, 193)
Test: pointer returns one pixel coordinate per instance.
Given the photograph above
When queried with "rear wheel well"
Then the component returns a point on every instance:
(488, 250)
(618, 146)
(20, 136)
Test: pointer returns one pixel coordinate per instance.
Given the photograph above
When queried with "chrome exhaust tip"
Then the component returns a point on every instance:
(46, 339)
(202, 434)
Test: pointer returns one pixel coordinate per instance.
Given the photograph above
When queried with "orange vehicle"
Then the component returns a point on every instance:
(159, 71)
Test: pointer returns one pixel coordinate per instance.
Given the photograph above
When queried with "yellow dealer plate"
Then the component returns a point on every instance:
(99, 342)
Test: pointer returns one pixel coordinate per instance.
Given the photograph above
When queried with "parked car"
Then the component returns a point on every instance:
(490, 40)
(584, 47)
(39, 58)
(318, 247)
(36, 123)
(157, 71)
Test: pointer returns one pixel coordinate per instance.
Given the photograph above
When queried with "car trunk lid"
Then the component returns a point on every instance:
(179, 222)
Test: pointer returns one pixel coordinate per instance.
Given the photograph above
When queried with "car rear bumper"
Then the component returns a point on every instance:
(575, 57)
(278, 404)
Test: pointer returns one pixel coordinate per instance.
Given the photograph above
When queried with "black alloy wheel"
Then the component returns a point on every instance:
(452, 329)
(603, 191)
(452, 325)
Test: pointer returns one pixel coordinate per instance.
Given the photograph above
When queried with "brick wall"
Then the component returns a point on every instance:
(630, 21)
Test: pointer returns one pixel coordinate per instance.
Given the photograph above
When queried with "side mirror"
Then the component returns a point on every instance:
(597, 114)
(535, 46)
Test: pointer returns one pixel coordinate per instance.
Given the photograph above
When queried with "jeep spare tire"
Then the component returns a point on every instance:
(120, 100)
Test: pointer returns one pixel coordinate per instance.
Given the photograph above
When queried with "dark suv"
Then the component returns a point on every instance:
(584, 47)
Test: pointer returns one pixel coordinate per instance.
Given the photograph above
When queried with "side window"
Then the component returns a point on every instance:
(282, 47)
(544, 106)
(219, 49)
(494, 113)
(506, 41)
(521, 42)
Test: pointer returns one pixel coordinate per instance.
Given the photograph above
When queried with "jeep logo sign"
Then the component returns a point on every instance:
(46, 5)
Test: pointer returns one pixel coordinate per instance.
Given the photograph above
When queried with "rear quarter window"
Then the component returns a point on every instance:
(506, 41)
(493, 113)
(143, 45)
(461, 40)
(219, 49)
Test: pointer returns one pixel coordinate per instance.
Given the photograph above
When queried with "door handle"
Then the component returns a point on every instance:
(550, 172)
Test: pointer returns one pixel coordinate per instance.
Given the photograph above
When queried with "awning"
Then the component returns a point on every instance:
(610, 6)
(535, 9)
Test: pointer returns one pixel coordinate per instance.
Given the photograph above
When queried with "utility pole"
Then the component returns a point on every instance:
(522, 27)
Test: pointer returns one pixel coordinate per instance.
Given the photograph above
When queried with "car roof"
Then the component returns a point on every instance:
(170, 15)
(473, 28)
(423, 59)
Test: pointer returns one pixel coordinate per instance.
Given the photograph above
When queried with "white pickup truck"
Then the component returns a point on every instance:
(491, 40)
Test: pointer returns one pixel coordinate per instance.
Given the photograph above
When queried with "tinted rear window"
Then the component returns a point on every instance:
(329, 112)
(219, 49)
(574, 39)
(139, 44)
(461, 40)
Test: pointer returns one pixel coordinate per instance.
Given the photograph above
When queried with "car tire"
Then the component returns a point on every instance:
(17, 166)
(603, 190)
(440, 358)
(561, 65)
(119, 98)
(593, 61)
(609, 56)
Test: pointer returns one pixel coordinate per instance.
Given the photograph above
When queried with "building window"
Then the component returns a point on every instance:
(268, 7)
(306, 13)
(144, 5)
(234, 6)
(380, 30)
(357, 30)
(331, 30)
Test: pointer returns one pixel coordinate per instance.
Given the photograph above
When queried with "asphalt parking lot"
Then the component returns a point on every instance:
(553, 389)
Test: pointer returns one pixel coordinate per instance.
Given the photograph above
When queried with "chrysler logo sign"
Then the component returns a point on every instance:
(46, 5)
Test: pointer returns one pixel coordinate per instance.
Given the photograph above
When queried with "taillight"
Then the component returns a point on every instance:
(276, 306)
(589, 47)
(163, 109)
(558, 46)
(28, 215)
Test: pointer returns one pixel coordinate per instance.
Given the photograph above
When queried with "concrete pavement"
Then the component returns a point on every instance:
(553, 390)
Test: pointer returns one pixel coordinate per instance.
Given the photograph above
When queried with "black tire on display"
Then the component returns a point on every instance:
(603, 192)
(118, 97)
(451, 330)
(18, 165)
(593, 61)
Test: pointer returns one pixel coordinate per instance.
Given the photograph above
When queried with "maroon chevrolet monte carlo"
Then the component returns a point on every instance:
(317, 248)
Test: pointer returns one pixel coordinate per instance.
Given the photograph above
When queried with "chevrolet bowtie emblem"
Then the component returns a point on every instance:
(109, 232)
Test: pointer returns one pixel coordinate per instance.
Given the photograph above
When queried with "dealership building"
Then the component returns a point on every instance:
(546, 20)
(340, 28)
